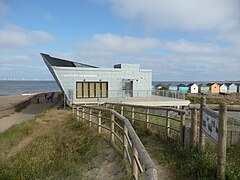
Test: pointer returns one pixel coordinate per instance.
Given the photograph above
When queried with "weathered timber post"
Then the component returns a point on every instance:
(201, 134)
(193, 132)
(73, 109)
(147, 117)
(134, 163)
(125, 143)
(167, 124)
(132, 114)
(182, 124)
(90, 117)
(78, 113)
(83, 114)
(99, 121)
(122, 110)
(222, 141)
(112, 128)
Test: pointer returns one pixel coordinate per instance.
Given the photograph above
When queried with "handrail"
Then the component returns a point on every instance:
(149, 170)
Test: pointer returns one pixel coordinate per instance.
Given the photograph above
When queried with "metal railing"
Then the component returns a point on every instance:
(168, 93)
(121, 95)
(121, 129)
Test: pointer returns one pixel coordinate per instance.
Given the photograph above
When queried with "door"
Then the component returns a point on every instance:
(129, 88)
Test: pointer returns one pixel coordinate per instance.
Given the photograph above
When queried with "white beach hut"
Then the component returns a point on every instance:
(223, 88)
(232, 87)
(193, 88)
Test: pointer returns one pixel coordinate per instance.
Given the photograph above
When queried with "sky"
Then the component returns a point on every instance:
(180, 40)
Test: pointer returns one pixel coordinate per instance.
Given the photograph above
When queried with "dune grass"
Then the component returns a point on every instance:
(188, 163)
(61, 148)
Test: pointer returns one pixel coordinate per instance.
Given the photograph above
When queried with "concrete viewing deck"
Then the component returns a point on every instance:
(146, 101)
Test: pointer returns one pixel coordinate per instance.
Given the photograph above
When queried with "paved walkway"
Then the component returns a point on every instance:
(28, 113)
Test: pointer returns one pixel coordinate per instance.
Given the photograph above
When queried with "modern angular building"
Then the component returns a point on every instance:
(78, 80)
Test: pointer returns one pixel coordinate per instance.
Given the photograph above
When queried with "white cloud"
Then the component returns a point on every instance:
(170, 60)
(27, 66)
(191, 68)
(188, 47)
(114, 44)
(109, 45)
(14, 38)
(183, 15)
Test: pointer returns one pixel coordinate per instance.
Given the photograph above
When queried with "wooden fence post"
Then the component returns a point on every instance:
(125, 143)
(167, 124)
(73, 109)
(147, 117)
(90, 117)
(78, 114)
(83, 114)
(133, 114)
(112, 128)
(99, 121)
(122, 110)
(134, 163)
(193, 132)
(182, 125)
(201, 134)
(222, 141)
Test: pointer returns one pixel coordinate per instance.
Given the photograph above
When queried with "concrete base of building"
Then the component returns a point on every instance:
(146, 101)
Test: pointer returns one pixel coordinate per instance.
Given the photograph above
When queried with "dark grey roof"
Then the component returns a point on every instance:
(192, 84)
(203, 85)
(161, 84)
(210, 84)
(63, 63)
(173, 84)
(229, 84)
(182, 85)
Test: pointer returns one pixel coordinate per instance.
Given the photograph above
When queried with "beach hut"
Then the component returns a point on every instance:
(223, 88)
(203, 88)
(183, 88)
(161, 87)
(238, 87)
(173, 87)
(193, 88)
(232, 87)
(214, 88)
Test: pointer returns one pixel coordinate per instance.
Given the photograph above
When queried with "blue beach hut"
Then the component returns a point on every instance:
(173, 87)
(183, 88)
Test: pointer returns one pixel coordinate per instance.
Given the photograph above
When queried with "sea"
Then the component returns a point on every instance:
(13, 88)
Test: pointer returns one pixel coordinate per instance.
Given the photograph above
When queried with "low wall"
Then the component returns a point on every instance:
(6, 111)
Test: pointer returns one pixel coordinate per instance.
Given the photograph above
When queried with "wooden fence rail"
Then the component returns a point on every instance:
(173, 126)
(121, 129)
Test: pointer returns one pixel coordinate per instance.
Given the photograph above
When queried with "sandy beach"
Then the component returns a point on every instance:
(6, 101)
(25, 114)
